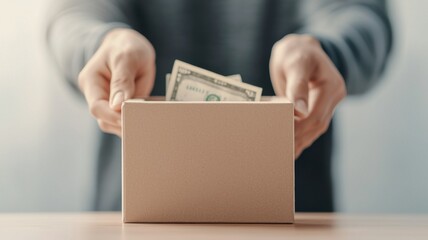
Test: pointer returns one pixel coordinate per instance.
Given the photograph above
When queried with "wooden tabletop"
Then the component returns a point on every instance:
(308, 226)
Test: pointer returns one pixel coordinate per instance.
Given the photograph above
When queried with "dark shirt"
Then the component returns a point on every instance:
(227, 37)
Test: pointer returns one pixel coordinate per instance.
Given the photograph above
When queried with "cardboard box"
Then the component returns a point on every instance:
(230, 162)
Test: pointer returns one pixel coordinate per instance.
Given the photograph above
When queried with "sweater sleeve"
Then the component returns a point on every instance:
(357, 36)
(75, 29)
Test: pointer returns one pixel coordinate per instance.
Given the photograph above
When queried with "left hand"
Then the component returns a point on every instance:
(301, 71)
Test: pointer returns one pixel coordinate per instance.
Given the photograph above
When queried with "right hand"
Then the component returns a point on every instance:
(122, 68)
(303, 72)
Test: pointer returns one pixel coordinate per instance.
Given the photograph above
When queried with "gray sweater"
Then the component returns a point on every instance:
(227, 37)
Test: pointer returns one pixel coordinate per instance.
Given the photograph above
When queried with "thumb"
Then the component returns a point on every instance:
(296, 90)
(122, 86)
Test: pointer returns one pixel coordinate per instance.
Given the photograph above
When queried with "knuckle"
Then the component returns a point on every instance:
(298, 59)
(120, 56)
(304, 56)
(301, 38)
(125, 54)
(301, 57)
(309, 39)
(290, 38)
(128, 51)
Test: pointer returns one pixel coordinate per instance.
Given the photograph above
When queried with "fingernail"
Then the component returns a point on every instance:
(117, 99)
(301, 106)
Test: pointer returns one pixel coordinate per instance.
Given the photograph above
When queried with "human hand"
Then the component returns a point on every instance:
(122, 68)
(301, 71)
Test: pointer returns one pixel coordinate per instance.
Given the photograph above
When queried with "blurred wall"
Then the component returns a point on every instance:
(47, 143)
(381, 144)
(47, 137)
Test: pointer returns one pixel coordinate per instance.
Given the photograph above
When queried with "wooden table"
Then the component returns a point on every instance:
(308, 226)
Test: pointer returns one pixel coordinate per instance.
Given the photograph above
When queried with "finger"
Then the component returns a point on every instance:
(276, 73)
(96, 94)
(122, 82)
(109, 128)
(319, 108)
(297, 85)
(144, 83)
(310, 128)
(101, 110)
(310, 137)
(323, 99)
(316, 129)
(305, 139)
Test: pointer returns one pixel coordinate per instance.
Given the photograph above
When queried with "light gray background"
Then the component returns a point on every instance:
(47, 141)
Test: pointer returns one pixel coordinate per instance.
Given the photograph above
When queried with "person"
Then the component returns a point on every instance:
(312, 52)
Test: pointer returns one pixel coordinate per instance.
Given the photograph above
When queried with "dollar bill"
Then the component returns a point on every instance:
(191, 83)
(167, 77)
(236, 77)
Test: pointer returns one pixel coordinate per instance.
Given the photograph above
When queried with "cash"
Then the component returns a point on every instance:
(236, 77)
(190, 83)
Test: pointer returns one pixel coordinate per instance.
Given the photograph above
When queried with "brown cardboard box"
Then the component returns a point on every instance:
(208, 161)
